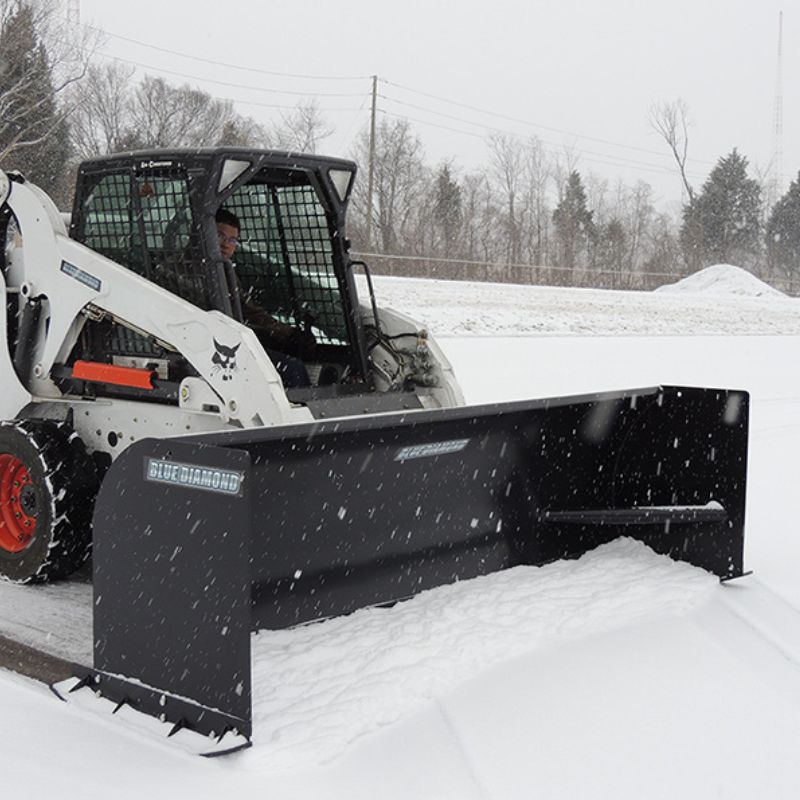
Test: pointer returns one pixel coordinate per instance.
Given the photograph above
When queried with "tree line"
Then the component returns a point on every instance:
(527, 215)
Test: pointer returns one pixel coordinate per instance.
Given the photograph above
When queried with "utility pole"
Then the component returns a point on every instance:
(371, 165)
(778, 113)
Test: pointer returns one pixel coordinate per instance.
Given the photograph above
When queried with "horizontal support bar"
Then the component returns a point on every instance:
(639, 515)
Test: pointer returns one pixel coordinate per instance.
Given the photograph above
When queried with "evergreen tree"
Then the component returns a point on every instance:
(611, 250)
(447, 206)
(34, 137)
(575, 228)
(722, 224)
(783, 232)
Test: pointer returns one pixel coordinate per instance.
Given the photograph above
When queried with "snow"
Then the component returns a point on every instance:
(353, 675)
(62, 625)
(723, 279)
(719, 300)
(622, 674)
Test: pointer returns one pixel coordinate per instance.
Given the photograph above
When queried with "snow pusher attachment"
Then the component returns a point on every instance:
(201, 540)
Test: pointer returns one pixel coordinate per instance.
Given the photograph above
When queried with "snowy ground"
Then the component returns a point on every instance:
(621, 675)
(719, 301)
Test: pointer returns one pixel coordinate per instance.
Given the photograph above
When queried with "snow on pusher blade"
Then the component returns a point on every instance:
(200, 540)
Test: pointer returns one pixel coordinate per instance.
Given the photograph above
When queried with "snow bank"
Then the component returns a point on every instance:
(320, 687)
(739, 304)
(723, 279)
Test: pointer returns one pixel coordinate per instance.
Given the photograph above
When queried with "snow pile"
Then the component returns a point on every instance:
(320, 687)
(723, 279)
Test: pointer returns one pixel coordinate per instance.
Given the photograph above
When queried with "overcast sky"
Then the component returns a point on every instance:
(576, 73)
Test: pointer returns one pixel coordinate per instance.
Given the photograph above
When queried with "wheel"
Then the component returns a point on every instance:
(48, 484)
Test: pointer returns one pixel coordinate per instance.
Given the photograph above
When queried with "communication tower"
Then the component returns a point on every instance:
(778, 114)
(74, 12)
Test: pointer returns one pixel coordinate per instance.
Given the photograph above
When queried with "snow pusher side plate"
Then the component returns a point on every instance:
(200, 540)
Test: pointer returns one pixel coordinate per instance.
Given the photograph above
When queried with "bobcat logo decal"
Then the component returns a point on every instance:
(224, 360)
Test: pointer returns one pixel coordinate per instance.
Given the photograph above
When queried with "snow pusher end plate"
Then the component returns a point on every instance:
(200, 540)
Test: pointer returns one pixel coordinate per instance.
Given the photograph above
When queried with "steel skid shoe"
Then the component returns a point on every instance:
(172, 727)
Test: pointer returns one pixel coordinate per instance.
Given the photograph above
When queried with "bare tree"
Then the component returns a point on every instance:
(537, 174)
(101, 119)
(114, 113)
(663, 246)
(400, 182)
(564, 164)
(769, 183)
(671, 122)
(479, 210)
(638, 213)
(241, 131)
(40, 58)
(302, 129)
(168, 116)
(507, 158)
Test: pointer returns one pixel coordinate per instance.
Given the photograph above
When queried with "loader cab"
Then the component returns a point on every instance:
(154, 212)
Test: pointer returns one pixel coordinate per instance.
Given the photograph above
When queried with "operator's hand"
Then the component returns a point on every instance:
(279, 332)
(287, 338)
(298, 342)
(303, 344)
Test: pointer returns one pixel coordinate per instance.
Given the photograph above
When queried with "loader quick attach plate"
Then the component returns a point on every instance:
(200, 540)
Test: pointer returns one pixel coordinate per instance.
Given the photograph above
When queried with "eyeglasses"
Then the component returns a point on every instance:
(231, 240)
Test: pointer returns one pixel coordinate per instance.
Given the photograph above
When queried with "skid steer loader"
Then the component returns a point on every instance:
(131, 325)
(145, 418)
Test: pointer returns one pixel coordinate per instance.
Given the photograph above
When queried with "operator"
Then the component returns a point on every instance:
(292, 370)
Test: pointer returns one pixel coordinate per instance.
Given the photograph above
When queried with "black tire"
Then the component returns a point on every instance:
(55, 500)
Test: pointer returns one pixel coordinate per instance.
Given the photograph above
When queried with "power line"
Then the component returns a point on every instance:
(528, 122)
(656, 169)
(285, 107)
(344, 136)
(227, 65)
(227, 84)
(256, 103)
(516, 135)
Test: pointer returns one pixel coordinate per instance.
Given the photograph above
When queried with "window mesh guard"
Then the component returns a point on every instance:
(285, 261)
(144, 222)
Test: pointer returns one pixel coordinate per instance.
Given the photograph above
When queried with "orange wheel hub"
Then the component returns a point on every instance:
(17, 505)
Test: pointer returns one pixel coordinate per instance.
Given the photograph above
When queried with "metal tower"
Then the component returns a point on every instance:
(74, 12)
(778, 114)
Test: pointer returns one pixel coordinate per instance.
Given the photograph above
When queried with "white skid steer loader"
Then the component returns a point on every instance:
(240, 444)
(99, 350)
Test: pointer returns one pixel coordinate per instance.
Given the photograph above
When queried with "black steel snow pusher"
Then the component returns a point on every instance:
(201, 540)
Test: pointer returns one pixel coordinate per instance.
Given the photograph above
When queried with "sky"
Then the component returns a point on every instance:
(580, 75)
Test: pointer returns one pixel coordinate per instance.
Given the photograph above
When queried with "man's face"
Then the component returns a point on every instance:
(228, 240)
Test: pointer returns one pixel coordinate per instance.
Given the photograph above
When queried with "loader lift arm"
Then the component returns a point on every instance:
(74, 284)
